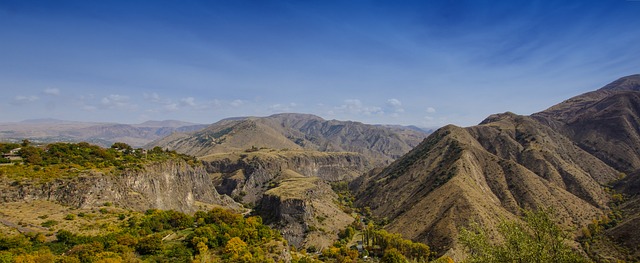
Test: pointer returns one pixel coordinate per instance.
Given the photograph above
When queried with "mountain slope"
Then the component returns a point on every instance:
(605, 122)
(380, 144)
(485, 174)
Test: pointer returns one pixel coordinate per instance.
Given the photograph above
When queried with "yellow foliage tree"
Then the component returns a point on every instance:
(237, 251)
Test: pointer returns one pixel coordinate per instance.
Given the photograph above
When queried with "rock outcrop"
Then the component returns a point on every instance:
(167, 185)
(247, 176)
(304, 210)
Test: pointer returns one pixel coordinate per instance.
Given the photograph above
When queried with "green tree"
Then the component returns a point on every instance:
(536, 239)
(149, 245)
(392, 255)
(122, 146)
(31, 155)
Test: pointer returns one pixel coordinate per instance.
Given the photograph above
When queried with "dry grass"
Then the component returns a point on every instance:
(294, 187)
(31, 215)
(270, 154)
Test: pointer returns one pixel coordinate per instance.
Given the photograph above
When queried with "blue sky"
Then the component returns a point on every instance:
(425, 63)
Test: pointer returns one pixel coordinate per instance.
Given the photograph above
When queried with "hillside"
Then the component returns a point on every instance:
(379, 144)
(84, 176)
(103, 134)
(561, 158)
(485, 174)
(605, 122)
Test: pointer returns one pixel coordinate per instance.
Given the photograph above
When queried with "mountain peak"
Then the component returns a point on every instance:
(631, 82)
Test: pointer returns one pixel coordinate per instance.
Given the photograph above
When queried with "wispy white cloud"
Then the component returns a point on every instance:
(155, 98)
(212, 104)
(119, 102)
(188, 101)
(355, 107)
(394, 103)
(237, 103)
(21, 99)
(431, 110)
(395, 106)
(51, 91)
(171, 107)
(282, 107)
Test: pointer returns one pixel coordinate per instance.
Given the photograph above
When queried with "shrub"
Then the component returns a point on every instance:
(49, 223)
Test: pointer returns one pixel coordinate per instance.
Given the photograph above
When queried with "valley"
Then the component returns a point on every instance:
(298, 188)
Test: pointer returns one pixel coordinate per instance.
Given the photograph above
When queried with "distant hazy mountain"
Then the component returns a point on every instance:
(381, 144)
(104, 134)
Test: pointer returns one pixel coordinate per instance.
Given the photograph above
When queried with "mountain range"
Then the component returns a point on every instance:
(581, 158)
(379, 143)
(564, 157)
(103, 134)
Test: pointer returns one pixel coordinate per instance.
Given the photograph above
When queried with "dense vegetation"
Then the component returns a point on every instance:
(170, 236)
(536, 239)
(68, 159)
(156, 236)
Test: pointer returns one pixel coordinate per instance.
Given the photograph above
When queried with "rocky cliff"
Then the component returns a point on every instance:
(304, 210)
(247, 176)
(170, 184)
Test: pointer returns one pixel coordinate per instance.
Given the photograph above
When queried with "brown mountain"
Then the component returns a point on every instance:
(485, 174)
(605, 122)
(380, 144)
(561, 157)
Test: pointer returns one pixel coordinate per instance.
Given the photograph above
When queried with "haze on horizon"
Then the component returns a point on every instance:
(425, 63)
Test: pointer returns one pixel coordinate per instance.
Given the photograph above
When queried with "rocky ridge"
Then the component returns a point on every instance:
(165, 185)
(379, 144)
(460, 175)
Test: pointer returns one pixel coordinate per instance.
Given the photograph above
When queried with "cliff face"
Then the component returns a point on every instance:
(166, 185)
(249, 175)
(304, 210)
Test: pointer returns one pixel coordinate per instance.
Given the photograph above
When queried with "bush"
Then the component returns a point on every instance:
(49, 223)
(538, 239)
(393, 256)
(149, 245)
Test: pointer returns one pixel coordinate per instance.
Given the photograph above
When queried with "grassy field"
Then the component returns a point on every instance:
(48, 217)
